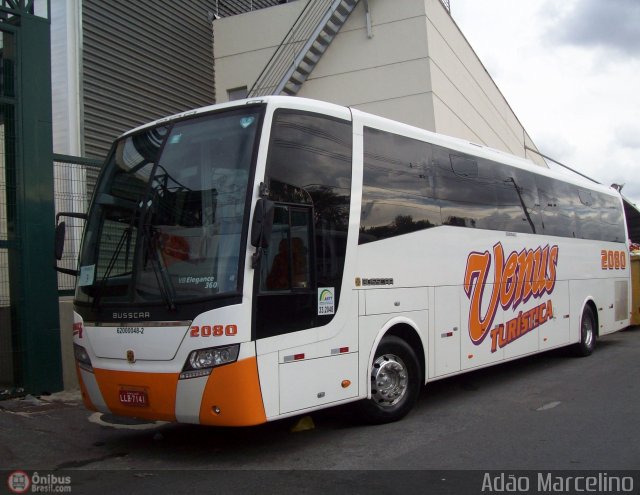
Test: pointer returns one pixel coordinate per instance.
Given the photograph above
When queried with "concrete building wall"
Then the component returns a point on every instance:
(417, 68)
(245, 43)
(467, 102)
(387, 74)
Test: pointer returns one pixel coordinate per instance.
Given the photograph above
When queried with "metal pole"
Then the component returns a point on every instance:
(561, 164)
(34, 281)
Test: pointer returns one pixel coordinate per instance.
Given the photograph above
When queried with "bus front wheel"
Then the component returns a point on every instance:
(395, 382)
(587, 333)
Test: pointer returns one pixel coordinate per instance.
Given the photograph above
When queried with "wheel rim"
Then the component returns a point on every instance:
(587, 332)
(389, 380)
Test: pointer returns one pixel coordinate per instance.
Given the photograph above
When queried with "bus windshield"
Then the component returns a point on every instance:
(167, 220)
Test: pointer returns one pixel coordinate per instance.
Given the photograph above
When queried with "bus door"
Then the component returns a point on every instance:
(297, 291)
(285, 300)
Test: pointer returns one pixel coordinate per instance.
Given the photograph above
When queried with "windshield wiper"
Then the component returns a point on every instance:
(152, 254)
(125, 238)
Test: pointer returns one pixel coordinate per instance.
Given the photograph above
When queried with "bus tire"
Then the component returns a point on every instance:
(587, 333)
(395, 382)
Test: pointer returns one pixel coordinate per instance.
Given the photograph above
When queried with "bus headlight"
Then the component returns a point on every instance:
(82, 357)
(202, 361)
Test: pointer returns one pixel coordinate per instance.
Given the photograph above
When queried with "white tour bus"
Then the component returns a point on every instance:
(263, 258)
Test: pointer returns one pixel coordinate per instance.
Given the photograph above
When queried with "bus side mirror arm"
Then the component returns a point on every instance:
(261, 229)
(61, 230)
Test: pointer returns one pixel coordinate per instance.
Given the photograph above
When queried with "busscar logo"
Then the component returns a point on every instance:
(518, 277)
(131, 316)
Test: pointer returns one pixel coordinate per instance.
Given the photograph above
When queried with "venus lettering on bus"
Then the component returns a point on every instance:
(504, 334)
(522, 275)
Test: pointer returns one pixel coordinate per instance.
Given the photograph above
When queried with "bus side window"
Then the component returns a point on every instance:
(518, 202)
(466, 197)
(287, 263)
(610, 211)
(275, 265)
(397, 189)
(308, 174)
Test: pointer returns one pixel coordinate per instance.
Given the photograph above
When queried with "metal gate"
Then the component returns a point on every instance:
(29, 326)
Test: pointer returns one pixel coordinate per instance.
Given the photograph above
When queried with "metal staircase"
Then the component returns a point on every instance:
(302, 47)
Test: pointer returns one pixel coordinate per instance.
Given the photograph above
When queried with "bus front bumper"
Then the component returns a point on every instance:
(229, 396)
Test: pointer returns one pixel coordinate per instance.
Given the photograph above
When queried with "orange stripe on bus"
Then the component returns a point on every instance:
(232, 396)
(86, 398)
(160, 388)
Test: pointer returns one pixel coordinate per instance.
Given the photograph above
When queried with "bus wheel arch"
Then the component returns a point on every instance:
(588, 330)
(591, 303)
(410, 335)
(395, 376)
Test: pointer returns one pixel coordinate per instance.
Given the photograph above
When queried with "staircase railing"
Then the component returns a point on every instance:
(285, 54)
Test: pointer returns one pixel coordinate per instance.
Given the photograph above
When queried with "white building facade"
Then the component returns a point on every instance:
(403, 59)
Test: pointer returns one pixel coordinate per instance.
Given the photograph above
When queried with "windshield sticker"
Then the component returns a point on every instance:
(246, 121)
(87, 275)
(175, 139)
(326, 304)
(209, 282)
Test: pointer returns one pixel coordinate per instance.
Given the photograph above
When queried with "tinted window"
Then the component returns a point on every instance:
(517, 199)
(309, 177)
(598, 216)
(464, 166)
(397, 195)
(168, 219)
(286, 264)
(557, 201)
(466, 190)
(588, 215)
(411, 185)
(611, 218)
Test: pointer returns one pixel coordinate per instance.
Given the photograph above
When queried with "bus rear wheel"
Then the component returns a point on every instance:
(587, 333)
(395, 382)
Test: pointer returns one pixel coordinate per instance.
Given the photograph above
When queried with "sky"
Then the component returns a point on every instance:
(570, 69)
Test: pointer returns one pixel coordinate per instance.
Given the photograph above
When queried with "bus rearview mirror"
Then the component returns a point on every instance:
(60, 234)
(61, 230)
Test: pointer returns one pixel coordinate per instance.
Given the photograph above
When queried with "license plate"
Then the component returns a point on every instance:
(135, 398)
